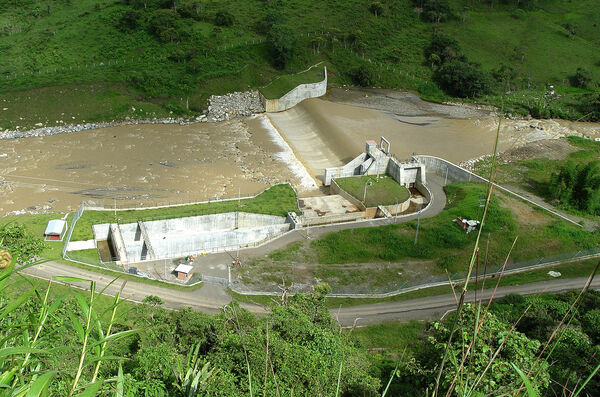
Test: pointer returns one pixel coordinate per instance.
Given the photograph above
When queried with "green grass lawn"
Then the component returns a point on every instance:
(382, 191)
(36, 225)
(282, 85)
(390, 337)
(277, 200)
(440, 239)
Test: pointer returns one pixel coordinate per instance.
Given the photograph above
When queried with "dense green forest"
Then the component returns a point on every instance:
(135, 58)
(57, 340)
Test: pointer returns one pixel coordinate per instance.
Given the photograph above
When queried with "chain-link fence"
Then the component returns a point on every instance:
(391, 288)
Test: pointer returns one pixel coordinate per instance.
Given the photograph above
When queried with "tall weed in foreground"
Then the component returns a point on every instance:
(23, 358)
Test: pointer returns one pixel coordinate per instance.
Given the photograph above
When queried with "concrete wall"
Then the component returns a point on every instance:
(350, 169)
(296, 95)
(454, 172)
(336, 189)
(336, 218)
(398, 209)
(194, 235)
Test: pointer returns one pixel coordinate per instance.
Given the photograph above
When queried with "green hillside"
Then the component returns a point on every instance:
(107, 58)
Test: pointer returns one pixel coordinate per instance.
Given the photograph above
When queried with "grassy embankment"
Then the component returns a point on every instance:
(534, 174)
(385, 257)
(287, 82)
(567, 270)
(79, 62)
(382, 191)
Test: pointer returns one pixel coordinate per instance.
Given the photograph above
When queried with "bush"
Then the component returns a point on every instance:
(581, 78)
(224, 18)
(191, 9)
(282, 43)
(436, 11)
(362, 76)
(163, 25)
(271, 18)
(444, 47)
(129, 21)
(463, 79)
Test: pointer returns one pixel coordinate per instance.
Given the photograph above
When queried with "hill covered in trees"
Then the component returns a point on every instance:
(118, 58)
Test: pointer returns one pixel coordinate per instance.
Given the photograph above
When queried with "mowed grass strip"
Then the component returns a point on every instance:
(277, 200)
(286, 83)
(382, 191)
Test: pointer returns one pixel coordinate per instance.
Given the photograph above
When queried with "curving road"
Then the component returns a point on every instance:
(210, 298)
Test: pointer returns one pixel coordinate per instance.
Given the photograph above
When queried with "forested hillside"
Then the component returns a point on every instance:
(116, 58)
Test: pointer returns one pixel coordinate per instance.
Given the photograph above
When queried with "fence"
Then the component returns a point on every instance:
(434, 280)
(455, 173)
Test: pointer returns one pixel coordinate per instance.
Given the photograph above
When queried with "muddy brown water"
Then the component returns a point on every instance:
(145, 165)
(140, 165)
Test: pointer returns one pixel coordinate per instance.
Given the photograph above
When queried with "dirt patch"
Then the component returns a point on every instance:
(552, 149)
(525, 214)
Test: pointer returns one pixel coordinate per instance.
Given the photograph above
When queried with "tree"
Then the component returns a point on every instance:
(282, 43)
(163, 25)
(578, 186)
(581, 78)
(362, 76)
(153, 300)
(376, 8)
(224, 18)
(272, 17)
(463, 79)
(444, 47)
(435, 11)
(21, 245)
(129, 21)
(494, 338)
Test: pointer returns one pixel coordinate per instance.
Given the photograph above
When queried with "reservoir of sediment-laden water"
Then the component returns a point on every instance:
(144, 165)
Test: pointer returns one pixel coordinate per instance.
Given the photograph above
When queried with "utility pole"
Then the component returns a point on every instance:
(396, 214)
(446, 178)
(418, 223)
(165, 269)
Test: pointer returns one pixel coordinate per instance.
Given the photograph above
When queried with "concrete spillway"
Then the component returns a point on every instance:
(173, 238)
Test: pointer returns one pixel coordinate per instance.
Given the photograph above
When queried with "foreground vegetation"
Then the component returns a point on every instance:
(134, 58)
(59, 341)
(277, 200)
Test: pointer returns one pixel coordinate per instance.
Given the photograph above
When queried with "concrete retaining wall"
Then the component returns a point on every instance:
(193, 235)
(350, 169)
(337, 218)
(296, 95)
(336, 189)
(444, 167)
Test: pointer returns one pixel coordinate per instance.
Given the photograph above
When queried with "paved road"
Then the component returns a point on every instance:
(210, 298)
(434, 307)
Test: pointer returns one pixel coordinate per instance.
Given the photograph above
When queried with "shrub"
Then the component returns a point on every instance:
(282, 43)
(362, 76)
(463, 79)
(129, 21)
(224, 18)
(581, 78)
